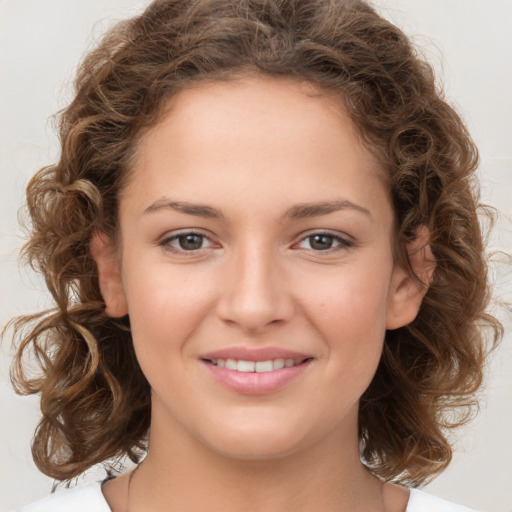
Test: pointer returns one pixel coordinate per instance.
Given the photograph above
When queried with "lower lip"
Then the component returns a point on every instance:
(256, 383)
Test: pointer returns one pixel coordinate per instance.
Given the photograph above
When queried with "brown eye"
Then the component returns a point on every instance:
(190, 241)
(326, 242)
(321, 242)
(186, 242)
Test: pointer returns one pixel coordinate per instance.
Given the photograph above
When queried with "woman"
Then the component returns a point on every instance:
(262, 241)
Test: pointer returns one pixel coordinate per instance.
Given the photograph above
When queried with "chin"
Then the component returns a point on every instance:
(257, 448)
(259, 441)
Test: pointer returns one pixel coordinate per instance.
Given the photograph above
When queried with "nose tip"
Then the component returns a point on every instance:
(255, 296)
(254, 316)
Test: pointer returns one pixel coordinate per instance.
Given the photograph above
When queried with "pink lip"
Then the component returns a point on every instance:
(255, 383)
(255, 354)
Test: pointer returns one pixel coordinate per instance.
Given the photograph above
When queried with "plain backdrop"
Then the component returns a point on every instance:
(470, 44)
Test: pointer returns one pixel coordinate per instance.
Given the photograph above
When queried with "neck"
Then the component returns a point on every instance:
(180, 473)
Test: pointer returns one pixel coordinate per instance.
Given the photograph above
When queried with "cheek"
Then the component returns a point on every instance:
(165, 306)
(351, 299)
(350, 314)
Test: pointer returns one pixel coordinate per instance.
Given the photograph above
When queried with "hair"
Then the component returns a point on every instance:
(95, 400)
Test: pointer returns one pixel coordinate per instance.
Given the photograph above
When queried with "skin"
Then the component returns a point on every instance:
(253, 150)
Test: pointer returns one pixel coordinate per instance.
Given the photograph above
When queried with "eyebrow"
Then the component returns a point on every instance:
(200, 210)
(297, 211)
(305, 210)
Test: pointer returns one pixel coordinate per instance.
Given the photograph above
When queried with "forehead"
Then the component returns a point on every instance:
(271, 135)
(221, 110)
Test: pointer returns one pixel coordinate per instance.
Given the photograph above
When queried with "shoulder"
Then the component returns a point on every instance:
(84, 498)
(420, 501)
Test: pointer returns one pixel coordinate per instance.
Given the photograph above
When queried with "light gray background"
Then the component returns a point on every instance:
(468, 41)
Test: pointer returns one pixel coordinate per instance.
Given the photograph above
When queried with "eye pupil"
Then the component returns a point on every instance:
(190, 242)
(321, 242)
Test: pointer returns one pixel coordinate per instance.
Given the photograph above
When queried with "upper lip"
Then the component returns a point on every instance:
(255, 354)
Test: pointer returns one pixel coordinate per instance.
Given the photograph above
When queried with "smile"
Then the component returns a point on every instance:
(256, 372)
(242, 365)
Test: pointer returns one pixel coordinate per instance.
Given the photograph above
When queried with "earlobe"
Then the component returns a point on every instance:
(109, 275)
(408, 289)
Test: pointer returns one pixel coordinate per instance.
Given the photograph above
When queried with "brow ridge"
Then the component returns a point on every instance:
(200, 210)
(305, 210)
(297, 211)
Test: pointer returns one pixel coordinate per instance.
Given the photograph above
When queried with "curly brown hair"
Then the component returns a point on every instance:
(95, 401)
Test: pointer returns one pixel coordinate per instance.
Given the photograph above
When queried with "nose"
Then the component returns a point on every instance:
(255, 291)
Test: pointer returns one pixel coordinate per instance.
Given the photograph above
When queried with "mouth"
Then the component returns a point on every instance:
(256, 371)
(247, 366)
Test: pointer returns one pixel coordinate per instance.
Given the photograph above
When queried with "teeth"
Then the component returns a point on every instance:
(231, 364)
(278, 364)
(245, 366)
(264, 366)
(241, 365)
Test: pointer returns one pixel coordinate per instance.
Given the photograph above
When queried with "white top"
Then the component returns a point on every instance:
(89, 498)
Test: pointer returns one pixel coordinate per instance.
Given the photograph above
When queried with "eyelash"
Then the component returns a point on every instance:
(166, 242)
(343, 242)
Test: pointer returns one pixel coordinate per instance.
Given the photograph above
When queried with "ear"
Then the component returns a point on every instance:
(406, 292)
(109, 274)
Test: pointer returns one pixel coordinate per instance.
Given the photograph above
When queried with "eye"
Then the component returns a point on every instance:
(186, 241)
(324, 242)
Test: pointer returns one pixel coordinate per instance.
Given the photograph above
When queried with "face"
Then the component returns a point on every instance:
(256, 267)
